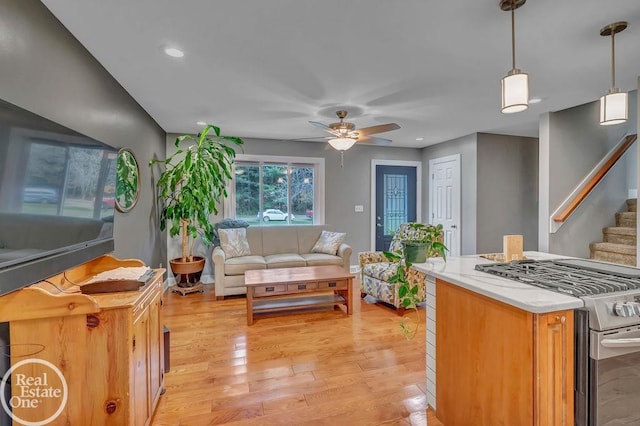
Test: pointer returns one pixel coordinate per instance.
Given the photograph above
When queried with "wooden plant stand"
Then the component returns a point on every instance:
(198, 287)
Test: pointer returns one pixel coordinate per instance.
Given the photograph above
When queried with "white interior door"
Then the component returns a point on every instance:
(444, 196)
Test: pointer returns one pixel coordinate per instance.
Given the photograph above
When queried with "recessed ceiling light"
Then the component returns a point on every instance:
(419, 139)
(535, 100)
(201, 123)
(173, 52)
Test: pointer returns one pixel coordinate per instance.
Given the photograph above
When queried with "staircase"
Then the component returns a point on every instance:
(619, 244)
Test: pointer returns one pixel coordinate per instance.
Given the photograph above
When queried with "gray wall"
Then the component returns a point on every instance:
(45, 70)
(467, 148)
(507, 191)
(344, 186)
(572, 143)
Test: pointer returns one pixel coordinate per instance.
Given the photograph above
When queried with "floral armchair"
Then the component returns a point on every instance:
(376, 271)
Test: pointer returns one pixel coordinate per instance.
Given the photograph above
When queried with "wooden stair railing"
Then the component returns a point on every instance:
(595, 180)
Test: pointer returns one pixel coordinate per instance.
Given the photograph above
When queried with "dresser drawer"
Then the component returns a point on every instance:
(292, 288)
(270, 289)
(333, 284)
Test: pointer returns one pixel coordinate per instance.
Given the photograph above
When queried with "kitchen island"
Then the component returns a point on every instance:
(499, 352)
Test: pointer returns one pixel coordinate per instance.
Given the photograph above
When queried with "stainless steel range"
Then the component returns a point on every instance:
(607, 338)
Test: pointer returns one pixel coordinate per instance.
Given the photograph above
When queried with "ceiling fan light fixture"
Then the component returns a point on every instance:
(515, 92)
(342, 144)
(614, 104)
(515, 85)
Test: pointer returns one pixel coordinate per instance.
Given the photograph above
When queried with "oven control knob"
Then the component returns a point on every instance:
(627, 309)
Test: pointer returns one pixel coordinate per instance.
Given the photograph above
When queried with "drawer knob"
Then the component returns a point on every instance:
(332, 284)
(269, 289)
(302, 286)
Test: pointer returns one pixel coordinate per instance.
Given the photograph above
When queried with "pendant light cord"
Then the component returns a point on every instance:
(613, 59)
(513, 33)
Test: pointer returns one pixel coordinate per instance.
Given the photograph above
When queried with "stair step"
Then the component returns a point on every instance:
(620, 235)
(616, 253)
(620, 259)
(632, 205)
(626, 219)
(614, 248)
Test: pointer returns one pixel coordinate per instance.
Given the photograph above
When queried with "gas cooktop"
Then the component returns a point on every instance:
(576, 277)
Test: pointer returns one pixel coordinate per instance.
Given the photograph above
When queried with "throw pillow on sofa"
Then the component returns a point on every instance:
(234, 242)
(227, 223)
(329, 242)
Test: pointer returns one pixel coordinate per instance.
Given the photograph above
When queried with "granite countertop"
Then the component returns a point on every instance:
(461, 271)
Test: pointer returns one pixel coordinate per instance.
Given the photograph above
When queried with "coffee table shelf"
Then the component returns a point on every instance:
(282, 304)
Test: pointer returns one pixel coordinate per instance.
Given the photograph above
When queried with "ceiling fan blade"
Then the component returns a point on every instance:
(321, 125)
(372, 140)
(324, 127)
(377, 129)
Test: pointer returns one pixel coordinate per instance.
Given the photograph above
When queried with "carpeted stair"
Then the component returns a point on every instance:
(619, 245)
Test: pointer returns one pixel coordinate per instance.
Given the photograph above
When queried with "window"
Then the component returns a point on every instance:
(277, 191)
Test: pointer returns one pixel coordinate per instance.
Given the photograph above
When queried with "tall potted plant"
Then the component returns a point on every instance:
(189, 189)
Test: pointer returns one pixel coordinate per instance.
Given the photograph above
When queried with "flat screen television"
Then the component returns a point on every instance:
(57, 204)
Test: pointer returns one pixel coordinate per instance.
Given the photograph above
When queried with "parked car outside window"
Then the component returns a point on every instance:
(39, 194)
(274, 214)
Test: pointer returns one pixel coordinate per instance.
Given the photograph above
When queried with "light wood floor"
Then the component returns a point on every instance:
(305, 368)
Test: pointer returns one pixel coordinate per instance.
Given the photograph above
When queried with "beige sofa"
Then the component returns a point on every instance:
(273, 247)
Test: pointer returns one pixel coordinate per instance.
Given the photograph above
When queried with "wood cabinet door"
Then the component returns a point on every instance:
(554, 371)
(155, 351)
(140, 400)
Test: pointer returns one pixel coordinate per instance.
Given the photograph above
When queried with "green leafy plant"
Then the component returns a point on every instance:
(126, 179)
(193, 183)
(407, 292)
(431, 237)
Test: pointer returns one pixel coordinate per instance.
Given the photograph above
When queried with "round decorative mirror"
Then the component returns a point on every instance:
(127, 181)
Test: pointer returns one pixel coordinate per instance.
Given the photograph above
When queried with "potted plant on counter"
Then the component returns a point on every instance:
(425, 241)
(189, 189)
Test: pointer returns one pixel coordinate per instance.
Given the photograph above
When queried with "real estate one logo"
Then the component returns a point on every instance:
(40, 397)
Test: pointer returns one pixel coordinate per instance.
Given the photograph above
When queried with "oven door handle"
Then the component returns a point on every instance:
(621, 343)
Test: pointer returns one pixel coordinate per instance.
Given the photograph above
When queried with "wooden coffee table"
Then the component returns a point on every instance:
(271, 290)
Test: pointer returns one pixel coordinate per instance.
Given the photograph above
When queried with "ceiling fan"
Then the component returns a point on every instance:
(345, 134)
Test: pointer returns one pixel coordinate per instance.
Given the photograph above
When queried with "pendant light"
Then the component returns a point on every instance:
(613, 105)
(515, 85)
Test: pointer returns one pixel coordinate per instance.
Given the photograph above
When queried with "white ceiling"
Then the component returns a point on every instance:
(265, 68)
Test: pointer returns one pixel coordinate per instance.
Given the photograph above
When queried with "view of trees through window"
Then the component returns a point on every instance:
(270, 193)
(69, 181)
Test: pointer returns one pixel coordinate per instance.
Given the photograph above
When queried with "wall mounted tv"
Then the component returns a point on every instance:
(56, 198)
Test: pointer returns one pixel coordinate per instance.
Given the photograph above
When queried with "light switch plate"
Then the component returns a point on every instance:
(359, 208)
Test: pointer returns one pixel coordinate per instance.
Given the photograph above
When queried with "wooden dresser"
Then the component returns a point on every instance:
(108, 346)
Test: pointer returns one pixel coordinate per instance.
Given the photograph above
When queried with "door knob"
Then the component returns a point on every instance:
(454, 226)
